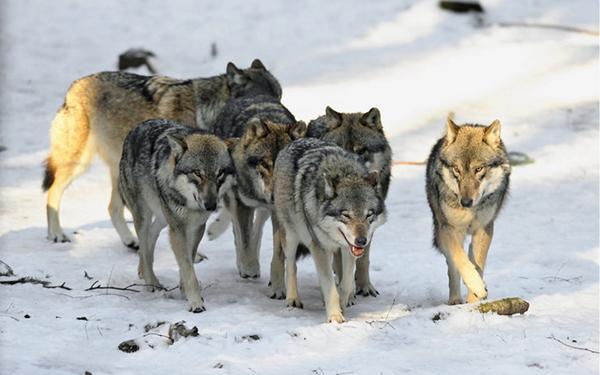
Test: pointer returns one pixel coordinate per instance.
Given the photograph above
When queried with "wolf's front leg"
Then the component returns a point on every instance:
(183, 249)
(347, 279)
(276, 283)
(451, 243)
(478, 250)
(323, 262)
(243, 224)
(290, 243)
(363, 280)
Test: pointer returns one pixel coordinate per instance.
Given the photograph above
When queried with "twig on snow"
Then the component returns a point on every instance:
(549, 26)
(572, 346)
(32, 280)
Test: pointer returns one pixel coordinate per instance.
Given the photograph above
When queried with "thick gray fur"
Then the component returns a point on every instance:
(172, 175)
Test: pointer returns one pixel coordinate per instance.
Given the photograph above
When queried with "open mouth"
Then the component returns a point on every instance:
(357, 251)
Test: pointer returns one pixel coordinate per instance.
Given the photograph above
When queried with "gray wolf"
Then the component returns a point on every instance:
(328, 201)
(264, 126)
(100, 109)
(362, 134)
(171, 174)
(466, 183)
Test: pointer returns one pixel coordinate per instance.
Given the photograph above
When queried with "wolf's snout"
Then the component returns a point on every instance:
(210, 206)
(466, 202)
(360, 241)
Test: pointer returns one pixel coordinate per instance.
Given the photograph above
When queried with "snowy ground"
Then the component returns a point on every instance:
(413, 61)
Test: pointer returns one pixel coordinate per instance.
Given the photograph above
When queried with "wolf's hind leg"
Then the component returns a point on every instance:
(71, 151)
(478, 250)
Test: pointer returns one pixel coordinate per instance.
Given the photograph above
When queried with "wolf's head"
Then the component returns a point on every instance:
(256, 80)
(351, 209)
(202, 166)
(474, 161)
(255, 155)
(360, 133)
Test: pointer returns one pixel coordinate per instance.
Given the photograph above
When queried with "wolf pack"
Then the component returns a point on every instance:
(181, 150)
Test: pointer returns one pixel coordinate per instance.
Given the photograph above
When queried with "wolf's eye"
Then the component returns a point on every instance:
(370, 214)
(455, 171)
(478, 169)
(345, 215)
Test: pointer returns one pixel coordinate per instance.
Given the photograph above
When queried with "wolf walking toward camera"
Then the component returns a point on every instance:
(362, 134)
(172, 175)
(100, 109)
(326, 200)
(467, 181)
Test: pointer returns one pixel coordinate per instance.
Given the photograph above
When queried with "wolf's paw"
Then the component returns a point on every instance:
(197, 305)
(472, 298)
(366, 290)
(200, 257)
(249, 271)
(350, 302)
(294, 302)
(276, 292)
(455, 300)
(154, 285)
(475, 284)
(58, 237)
(336, 317)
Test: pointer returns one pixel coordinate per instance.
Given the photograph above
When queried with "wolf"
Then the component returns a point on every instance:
(100, 109)
(328, 201)
(362, 134)
(467, 181)
(170, 174)
(264, 126)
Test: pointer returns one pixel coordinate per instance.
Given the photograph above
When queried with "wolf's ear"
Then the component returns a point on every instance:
(330, 184)
(491, 136)
(177, 144)
(451, 131)
(298, 130)
(372, 119)
(255, 129)
(257, 64)
(235, 76)
(334, 118)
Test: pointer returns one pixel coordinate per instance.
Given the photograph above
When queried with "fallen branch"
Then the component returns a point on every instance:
(127, 288)
(31, 280)
(506, 306)
(572, 346)
(549, 26)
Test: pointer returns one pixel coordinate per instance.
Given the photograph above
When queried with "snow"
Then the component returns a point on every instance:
(408, 58)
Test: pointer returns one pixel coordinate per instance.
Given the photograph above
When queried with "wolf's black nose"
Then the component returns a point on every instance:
(210, 206)
(466, 202)
(361, 241)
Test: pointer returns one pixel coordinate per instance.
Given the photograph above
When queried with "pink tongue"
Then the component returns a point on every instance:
(357, 251)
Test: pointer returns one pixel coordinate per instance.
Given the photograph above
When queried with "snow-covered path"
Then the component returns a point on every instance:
(408, 58)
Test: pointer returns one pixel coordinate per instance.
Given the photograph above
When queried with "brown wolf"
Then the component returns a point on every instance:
(467, 181)
(100, 109)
